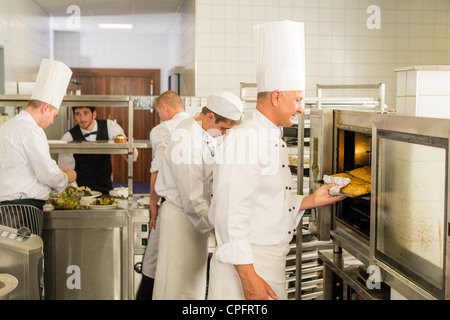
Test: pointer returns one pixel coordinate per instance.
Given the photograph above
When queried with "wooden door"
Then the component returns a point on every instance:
(123, 82)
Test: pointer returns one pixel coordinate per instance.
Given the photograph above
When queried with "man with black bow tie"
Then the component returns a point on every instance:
(93, 170)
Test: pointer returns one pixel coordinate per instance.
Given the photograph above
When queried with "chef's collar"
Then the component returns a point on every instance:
(267, 123)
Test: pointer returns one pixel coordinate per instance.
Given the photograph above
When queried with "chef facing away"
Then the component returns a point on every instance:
(27, 171)
(253, 209)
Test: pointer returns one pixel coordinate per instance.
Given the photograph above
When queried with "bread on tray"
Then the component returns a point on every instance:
(357, 186)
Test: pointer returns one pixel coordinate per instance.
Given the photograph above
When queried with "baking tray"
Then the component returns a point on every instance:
(321, 181)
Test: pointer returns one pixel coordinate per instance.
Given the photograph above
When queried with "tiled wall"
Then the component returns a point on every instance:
(24, 34)
(214, 42)
(340, 48)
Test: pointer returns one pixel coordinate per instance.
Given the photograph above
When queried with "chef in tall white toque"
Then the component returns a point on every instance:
(254, 211)
(185, 181)
(27, 171)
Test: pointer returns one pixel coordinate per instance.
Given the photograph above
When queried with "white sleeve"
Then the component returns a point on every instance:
(159, 138)
(234, 196)
(44, 167)
(189, 181)
(66, 160)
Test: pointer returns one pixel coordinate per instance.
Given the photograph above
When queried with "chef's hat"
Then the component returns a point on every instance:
(226, 104)
(280, 56)
(51, 82)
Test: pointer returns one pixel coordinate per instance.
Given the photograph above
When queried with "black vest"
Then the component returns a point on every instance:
(93, 170)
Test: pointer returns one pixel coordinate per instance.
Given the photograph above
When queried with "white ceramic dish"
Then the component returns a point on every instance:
(103, 206)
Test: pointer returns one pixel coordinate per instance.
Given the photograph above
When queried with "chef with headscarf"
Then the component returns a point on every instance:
(27, 171)
(254, 211)
(185, 182)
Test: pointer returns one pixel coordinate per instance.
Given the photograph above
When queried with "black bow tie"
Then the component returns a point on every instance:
(88, 134)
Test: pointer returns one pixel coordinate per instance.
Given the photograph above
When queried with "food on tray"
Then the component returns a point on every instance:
(66, 203)
(104, 201)
(79, 191)
(293, 160)
(120, 138)
(363, 173)
(67, 200)
(357, 186)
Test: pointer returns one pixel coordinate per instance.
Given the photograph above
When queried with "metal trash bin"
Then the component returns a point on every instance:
(22, 215)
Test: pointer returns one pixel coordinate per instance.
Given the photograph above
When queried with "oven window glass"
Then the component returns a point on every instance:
(411, 207)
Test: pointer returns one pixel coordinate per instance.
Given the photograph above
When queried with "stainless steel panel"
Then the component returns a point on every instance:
(85, 254)
(138, 220)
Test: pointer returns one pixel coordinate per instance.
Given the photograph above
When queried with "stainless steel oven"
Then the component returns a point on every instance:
(409, 233)
(341, 140)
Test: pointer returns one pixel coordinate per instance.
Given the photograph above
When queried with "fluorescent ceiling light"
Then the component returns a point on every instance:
(115, 26)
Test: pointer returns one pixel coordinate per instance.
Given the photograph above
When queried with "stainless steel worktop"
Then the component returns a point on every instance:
(90, 254)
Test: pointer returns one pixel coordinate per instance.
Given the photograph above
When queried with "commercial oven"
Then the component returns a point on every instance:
(341, 140)
(409, 233)
(402, 228)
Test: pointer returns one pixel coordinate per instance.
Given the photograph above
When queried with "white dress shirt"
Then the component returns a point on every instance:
(66, 160)
(253, 203)
(185, 176)
(27, 170)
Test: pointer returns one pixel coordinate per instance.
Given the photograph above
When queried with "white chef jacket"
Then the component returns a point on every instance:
(159, 138)
(66, 160)
(185, 176)
(27, 170)
(253, 203)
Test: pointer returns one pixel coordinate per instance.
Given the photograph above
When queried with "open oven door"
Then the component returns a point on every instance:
(321, 162)
(409, 204)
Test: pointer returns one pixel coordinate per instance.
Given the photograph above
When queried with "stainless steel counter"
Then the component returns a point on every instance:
(342, 280)
(90, 254)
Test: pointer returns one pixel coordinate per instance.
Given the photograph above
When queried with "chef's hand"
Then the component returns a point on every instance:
(320, 198)
(71, 174)
(322, 195)
(255, 287)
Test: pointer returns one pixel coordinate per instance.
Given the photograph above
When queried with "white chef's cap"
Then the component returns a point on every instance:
(226, 104)
(280, 56)
(51, 82)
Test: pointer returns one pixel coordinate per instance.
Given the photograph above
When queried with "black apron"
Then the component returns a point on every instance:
(93, 170)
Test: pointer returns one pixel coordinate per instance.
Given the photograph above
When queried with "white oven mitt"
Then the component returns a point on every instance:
(340, 182)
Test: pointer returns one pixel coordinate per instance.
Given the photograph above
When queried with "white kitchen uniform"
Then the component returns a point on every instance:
(159, 138)
(185, 180)
(27, 170)
(66, 160)
(253, 208)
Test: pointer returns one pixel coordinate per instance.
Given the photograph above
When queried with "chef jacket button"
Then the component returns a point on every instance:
(290, 188)
(287, 188)
(290, 210)
(289, 232)
(282, 165)
(276, 145)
